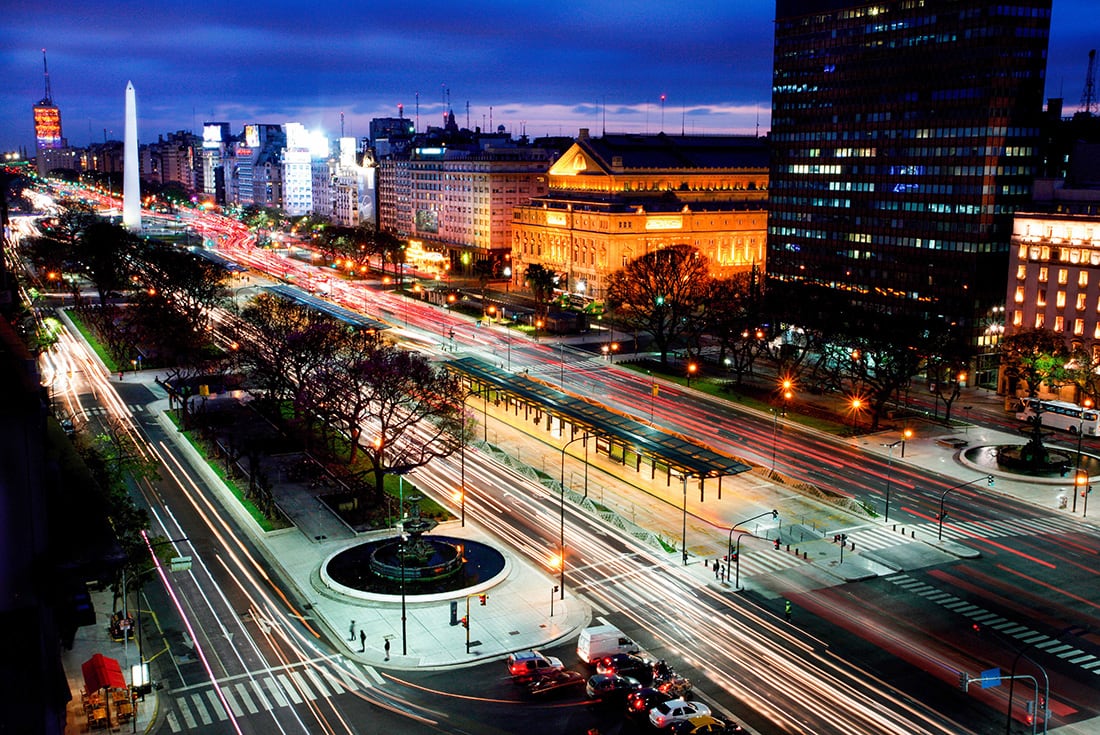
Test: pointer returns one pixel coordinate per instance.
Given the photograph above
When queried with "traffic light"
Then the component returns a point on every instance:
(776, 542)
(964, 680)
(482, 598)
(989, 480)
(465, 622)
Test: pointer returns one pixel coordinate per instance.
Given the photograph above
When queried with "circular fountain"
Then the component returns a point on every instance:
(1033, 460)
(413, 563)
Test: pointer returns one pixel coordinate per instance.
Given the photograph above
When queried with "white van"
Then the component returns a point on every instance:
(603, 640)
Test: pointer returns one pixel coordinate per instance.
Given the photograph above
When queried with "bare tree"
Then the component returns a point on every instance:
(660, 292)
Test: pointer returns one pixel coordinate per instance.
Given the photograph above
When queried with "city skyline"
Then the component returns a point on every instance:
(545, 73)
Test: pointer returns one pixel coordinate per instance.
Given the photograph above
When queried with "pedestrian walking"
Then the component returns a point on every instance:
(387, 647)
(787, 610)
(362, 641)
(120, 375)
(716, 568)
(351, 631)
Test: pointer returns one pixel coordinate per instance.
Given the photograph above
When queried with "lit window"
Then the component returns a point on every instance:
(1083, 279)
(1040, 321)
(1018, 319)
(1059, 324)
(1078, 326)
(1063, 275)
(1019, 294)
(1081, 301)
(1043, 275)
(1060, 300)
(1041, 299)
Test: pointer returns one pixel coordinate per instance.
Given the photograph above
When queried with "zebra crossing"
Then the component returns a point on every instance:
(102, 411)
(882, 537)
(270, 690)
(1090, 663)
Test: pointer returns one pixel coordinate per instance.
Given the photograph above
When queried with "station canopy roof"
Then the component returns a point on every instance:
(685, 456)
(326, 307)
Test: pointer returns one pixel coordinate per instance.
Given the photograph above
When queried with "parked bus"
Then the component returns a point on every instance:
(1061, 415)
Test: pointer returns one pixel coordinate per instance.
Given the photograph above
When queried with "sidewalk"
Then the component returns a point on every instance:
(89, 641)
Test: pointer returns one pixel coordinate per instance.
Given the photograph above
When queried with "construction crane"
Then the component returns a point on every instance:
(1088, 97)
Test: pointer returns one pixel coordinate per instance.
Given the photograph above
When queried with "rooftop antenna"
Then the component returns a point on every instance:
(467, 114)
(341, 124)
(416, 125)
(490, 118)
(683, 119)
(662, 113)
(1087, 98)
(48, 99)
(604, 132)
(757, 122)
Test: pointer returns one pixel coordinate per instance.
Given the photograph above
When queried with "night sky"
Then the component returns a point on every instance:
(540, 68)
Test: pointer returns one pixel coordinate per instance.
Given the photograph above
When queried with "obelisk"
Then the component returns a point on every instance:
(131, 187)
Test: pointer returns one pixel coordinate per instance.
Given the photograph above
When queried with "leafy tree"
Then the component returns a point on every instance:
(660, 292)
(542, 281)
(104, 254)
(195, 284)
(1034, 357)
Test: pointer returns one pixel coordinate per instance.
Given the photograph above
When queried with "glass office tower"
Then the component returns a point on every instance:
(904, 136)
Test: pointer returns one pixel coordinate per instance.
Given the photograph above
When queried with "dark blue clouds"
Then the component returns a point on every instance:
(545, 67)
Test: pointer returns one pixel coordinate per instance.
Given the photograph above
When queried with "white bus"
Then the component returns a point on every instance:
(1061, 415)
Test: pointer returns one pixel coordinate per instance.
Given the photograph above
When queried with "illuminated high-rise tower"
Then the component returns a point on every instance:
(131, 187)
(47, 126)
(904, 136)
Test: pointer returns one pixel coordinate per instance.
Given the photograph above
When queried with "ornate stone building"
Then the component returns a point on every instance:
(616, 198)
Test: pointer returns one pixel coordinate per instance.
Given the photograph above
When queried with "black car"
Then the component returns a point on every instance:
(558, 682)
(611, 687)
(641, 701)
(626, 664)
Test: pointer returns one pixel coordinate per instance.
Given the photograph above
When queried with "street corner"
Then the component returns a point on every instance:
(956, 549)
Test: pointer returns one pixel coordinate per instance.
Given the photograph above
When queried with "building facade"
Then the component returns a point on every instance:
(614, 199)
(904, 136)
(458, 201)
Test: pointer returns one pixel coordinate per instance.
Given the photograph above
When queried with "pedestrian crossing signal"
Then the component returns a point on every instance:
(482, 598)
(776, 541)
(465, 622)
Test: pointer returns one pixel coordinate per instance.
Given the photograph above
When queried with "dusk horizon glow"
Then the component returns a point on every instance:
(549, 71)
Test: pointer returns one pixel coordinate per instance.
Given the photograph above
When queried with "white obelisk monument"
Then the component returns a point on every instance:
(131, 187)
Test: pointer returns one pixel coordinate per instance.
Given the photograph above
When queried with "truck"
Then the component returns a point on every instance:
(603, 640)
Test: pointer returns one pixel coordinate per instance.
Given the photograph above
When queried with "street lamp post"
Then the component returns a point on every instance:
(1080, 436)
(889, 468)
(987, 478)
(857, 406)
(729, 545)
(561, 378)
(561, 539)
(906, 435)
(684, 530)
(401, 555)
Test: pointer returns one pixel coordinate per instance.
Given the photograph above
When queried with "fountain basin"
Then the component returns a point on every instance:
(349, 571)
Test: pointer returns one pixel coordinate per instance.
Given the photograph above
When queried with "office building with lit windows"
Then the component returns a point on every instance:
(905, 135)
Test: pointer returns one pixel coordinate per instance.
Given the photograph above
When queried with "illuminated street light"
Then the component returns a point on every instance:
(561, 546)
(691, 370)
